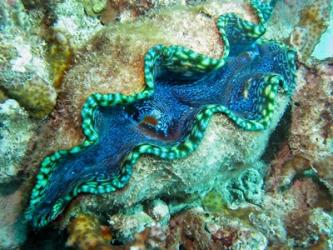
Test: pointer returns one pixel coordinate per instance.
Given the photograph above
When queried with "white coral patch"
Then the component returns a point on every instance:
(24, 57)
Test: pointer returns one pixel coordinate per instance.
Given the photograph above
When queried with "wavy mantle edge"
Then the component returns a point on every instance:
(179, 60)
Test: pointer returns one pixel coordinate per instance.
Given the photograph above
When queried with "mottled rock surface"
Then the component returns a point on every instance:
(167, 203)
(16, 130)
(312, 120)
(13, 228)
(24, 73)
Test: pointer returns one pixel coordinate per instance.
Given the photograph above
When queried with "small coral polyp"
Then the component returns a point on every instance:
(169, 117)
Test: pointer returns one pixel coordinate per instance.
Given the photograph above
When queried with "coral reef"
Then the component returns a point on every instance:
(313, 21)
(71, 25)
(303, 196)
(127, 224)
(311, 134)
(270, 189)
(293, 219)
(323, 170)
(165, 119)
(194, 229)
(94, 7)
(299, 221)
(86, 233)
(188, 229)
(13, 227)
(303, 167)
(16, 130)
(244, 185)
(306, 222)
(213, 202)
(130, 222)
(23, 70)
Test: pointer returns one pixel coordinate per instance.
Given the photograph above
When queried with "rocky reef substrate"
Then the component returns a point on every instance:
(239, 190)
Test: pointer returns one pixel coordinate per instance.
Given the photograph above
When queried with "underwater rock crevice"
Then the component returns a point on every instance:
(279, 136)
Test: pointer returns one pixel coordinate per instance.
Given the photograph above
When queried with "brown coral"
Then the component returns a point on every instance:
(34, 95)
(313, 22)
(188, 230)
(311, 129)
(86, 233)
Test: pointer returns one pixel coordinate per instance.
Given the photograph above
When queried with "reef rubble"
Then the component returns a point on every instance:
(239, 190)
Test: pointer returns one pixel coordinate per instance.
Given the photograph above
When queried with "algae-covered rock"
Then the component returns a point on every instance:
(24, 74)
(86, 232)
(312, 121)
(159, 211)
(313, 22)
(301, 23)
(126, 10)
(270, 224)
(72, 25)
(197, 229)
(130, 222)
(295, 218)
(94, 7)
(16, 130)
(13, 228)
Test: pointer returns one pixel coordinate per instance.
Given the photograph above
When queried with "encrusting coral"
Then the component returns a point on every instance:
(249, 102)
(246, 185)
(16, 129)
(23, 70)
(86, 233)
(217, 197)
(311, 134)
(130, 222)
(313, 22)
(13, 230)
(71, 26)
(213, 201)
(237, 189)
(94, 7)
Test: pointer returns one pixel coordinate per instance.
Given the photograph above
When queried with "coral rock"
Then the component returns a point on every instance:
(13, 228)
(23, 70)
(311, 134)
(159, 211)
(313, 22)
(16, 130)
(127, 224)
(72, 25)
(86, 233)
